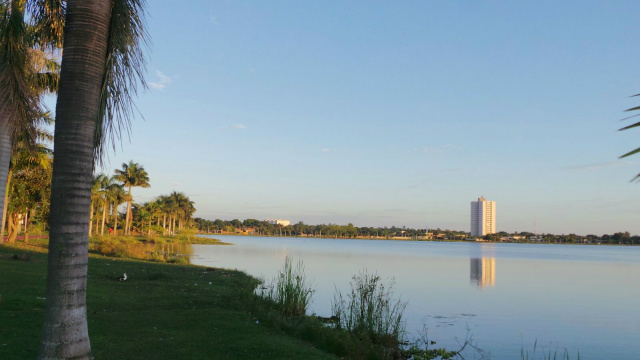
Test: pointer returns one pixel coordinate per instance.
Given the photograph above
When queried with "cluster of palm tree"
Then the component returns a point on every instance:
(106, 195)
(170, 213)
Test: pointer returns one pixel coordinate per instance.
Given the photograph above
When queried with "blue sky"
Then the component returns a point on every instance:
(386, 113)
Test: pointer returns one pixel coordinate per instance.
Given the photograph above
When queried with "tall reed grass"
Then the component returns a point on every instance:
(546, 355)
(370, 309)
(290, 290)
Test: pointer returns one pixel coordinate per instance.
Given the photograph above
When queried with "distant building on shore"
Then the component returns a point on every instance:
(282, 222)
(483, 217)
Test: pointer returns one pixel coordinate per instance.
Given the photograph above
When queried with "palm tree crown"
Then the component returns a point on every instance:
(132, 174)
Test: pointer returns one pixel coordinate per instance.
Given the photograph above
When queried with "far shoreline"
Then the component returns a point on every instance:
(407, 239)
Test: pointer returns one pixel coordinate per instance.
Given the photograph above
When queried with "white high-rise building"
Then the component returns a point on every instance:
(483, 217)
(282, 222)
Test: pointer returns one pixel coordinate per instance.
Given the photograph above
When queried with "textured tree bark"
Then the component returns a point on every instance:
(65, 333)
(5, 158)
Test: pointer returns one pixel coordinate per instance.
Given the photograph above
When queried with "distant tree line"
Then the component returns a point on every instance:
(263, 228)
(618, 238)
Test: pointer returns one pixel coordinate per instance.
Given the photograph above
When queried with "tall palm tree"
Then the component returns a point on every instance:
(101, 62)
(22, 78)
(132, 174)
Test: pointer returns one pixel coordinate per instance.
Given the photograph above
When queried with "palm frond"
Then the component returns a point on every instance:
(48, 18)
(126, 64)
(20, 104)
(630, 126)
(633, 152)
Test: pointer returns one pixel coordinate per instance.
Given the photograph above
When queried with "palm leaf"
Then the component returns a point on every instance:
(630, 153)
(630, 126)
(19, 102)
(637, 177)
(126, 64)
(48, 17)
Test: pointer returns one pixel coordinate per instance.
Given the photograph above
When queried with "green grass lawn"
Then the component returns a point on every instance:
(163, 311)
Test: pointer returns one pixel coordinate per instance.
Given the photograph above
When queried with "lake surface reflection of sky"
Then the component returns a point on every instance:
(582, 298)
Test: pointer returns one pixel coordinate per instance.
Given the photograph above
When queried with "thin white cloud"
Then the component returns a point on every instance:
(161, 83)
(325, 150)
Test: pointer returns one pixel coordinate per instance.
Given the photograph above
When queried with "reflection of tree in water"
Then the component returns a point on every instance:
(483, 272)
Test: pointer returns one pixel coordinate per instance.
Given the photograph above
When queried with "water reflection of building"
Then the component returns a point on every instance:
(483, 272)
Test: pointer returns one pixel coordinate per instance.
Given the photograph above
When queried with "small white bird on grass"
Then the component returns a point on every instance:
(124, 277)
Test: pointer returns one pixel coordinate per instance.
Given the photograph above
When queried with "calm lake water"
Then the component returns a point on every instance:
(581, 298)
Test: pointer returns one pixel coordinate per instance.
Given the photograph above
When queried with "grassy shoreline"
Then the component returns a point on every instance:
(163, 311)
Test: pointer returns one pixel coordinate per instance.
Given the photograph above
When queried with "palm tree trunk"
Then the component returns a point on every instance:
(5, 208)
(65, 332)
(90, 218)
(104, 217)
(26, 227)
(127, 221)
(115, 223)
(12, 231)
(97, 225)
(5, 157)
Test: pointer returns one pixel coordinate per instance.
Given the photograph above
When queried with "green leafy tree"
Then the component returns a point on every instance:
(26, 157)
(29, 191)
